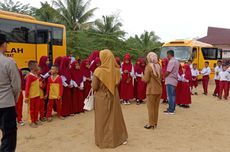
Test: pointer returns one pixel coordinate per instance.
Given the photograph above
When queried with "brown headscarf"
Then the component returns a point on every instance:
(153, 62)
(108, 73)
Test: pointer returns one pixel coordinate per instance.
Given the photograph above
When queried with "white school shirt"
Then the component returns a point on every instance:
(45, 76)
(179, 77)
(183, 78)
(74, 84)
(195, 72)
(217, 71)
(139, 75)
(229, 74)
(72, 59)
(132, 74)
(224, 75)
(206, 71)
(91, 77)
(64, 81)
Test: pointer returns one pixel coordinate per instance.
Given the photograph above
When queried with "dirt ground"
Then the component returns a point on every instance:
(205, 127)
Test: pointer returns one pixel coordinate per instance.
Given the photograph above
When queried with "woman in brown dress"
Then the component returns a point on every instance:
(152, 77)
(110, 129)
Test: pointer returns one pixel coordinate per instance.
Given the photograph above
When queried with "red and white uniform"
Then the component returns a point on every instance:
(77, 90)
(195, 74)
(32, 92)
(218, 69)
(186, 78)
(224, 76)
(205, 72)
(54, 93)
(127, 87)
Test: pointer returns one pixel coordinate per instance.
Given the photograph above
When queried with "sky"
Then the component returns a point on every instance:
(169, 19)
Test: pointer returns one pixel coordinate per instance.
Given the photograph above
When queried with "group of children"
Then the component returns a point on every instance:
(222, 80)
(132, 86)
(188, 81)
(64, 86)
(40, 94)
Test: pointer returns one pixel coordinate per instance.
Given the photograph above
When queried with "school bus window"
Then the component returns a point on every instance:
(57, 36)
(42, 36)
(210, 53)
(18, 32)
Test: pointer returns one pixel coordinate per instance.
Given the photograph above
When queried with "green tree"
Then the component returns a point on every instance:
(75, 13)
(110, 25)
(107, 34)
(47, 13)
(144, 43)
(17, 7)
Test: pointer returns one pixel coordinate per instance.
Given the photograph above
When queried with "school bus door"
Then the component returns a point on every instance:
(195, 55)
(44, 44)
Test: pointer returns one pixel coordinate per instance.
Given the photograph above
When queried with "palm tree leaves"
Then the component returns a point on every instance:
(109, 25)
(145, 43)
(107, 33)
(75, 13)
(17, 7)
(47, 13)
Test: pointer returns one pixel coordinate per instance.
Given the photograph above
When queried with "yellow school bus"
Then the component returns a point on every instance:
(29, 39)
(196, 51)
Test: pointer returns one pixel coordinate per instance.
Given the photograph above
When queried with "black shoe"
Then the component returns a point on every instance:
(186, 106)
(180, 105)
(205, 94)
(149, 127)
(164, 102)
(214, 95)
(166, 111)
(196, 93)
(169, 113)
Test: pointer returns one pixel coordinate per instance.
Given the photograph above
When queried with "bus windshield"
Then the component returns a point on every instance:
(182, 53)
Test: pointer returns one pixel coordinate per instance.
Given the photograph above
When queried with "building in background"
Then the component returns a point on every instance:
(220, 38)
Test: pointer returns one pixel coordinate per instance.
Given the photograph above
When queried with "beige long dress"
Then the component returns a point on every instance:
(110, 129)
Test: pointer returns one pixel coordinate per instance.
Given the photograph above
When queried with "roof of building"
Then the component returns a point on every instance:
(217, 36)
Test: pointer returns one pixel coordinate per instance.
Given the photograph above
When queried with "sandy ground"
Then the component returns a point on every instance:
(205, 127)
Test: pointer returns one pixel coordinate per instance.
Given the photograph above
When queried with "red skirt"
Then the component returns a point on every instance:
(178, 92)
(87, 88)
(140, 89)
(135, 89)
(19, 107)
(185, 96)
(127, 90)
(66, 102)
(78, 100)
(164, 92)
